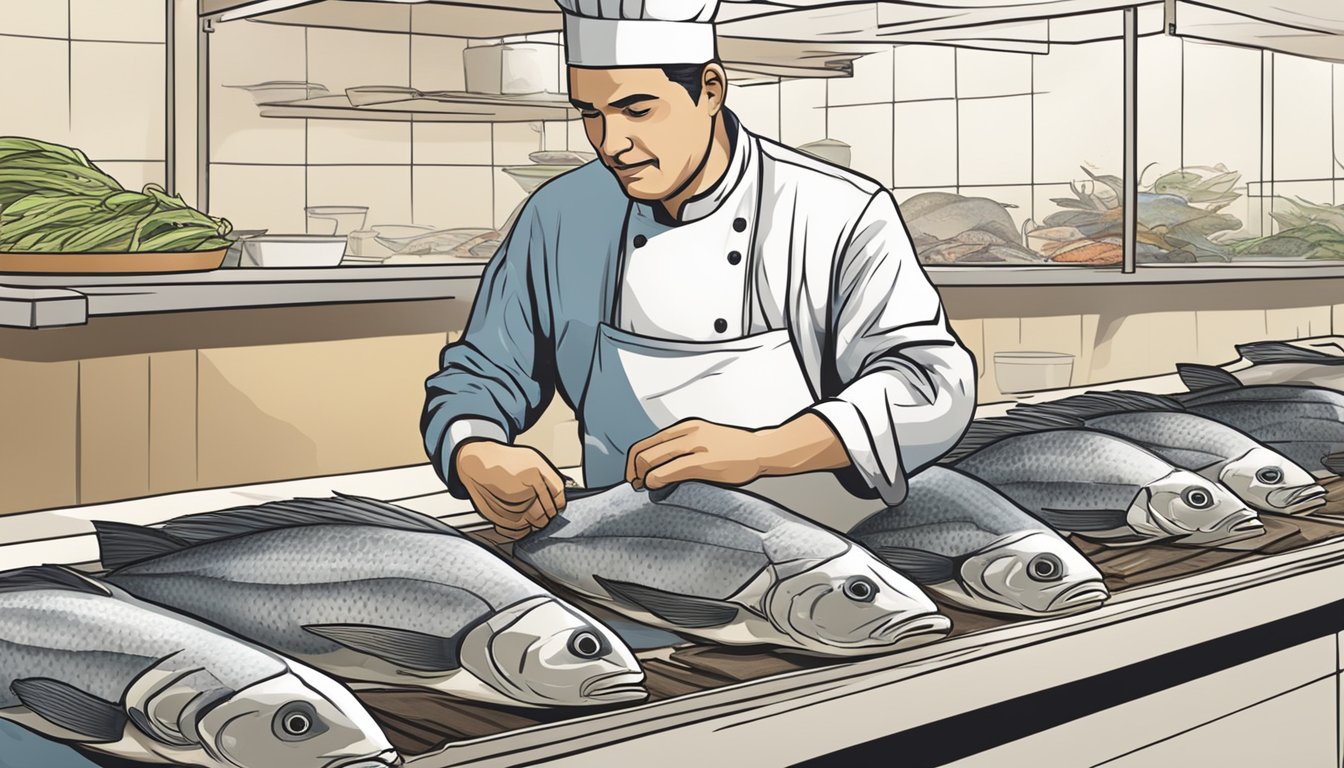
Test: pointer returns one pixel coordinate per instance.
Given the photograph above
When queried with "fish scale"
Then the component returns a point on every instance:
(690, 542)
(1188, 440)
(335, 585)
(45, 630)
(1055, 456)
(950, 513)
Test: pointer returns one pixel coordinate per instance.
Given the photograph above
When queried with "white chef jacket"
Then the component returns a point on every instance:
(831, 261)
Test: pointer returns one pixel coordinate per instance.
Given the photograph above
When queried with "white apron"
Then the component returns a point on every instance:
(640, 385)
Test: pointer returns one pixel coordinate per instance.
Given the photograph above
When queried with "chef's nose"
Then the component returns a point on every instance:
(615, 139)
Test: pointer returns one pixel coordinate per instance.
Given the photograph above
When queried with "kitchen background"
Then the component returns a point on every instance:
(138, 405)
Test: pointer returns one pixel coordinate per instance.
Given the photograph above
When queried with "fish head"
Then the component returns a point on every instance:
(1033, 573)
(852, 603)
(299, 718)
(1193, 510)
(546, 653)
(1271, 482)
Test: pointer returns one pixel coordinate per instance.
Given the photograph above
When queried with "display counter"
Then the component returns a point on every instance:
(1201, 657)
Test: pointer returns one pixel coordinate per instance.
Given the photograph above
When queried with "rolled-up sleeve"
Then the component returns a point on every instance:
(907, 385)
(495, 381)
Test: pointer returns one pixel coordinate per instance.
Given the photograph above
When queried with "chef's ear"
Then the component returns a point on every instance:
(713, 86)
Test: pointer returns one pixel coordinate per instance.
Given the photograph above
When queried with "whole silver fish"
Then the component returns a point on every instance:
(377, 594)
(969, 543)
(1263, 478)
(1304, 423)
(83, 662)
(732, 568)
(1102, 487)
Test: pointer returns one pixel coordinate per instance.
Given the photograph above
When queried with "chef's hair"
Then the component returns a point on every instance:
(688, 76)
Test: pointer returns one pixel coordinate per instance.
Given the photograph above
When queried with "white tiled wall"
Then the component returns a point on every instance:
(917, 117)
(1024, 126)
(265, 171)
(89, 74)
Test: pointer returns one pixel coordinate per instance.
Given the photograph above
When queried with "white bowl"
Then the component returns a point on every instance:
(1018, 372)
(293, 251)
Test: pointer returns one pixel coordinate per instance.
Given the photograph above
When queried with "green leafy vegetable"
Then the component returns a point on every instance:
(53, 200)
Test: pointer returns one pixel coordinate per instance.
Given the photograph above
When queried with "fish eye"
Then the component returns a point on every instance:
(861, 589)
(1197, 498)
(586, 645)
(295, 721)
(1045, 567)
(1270, 475)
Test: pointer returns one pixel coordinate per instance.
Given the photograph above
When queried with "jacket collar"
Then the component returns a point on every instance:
(707, 202)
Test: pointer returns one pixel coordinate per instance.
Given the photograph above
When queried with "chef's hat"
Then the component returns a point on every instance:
(638, 33)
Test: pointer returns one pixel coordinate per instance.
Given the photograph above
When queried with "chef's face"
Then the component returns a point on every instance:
(645, 127)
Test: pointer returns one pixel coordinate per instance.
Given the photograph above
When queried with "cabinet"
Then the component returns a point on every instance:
(1276, 710)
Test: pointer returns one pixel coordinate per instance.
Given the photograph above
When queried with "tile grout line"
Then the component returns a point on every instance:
(79, 432)
(149, 423)
(306, 159)
(410, 83)
(69, 68)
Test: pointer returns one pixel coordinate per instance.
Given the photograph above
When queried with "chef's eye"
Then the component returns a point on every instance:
(1045, 567)
(633, 112)
(296, 721)
(1197, 498)
(860, 589)
(586, 645)
(1270, 476)
(589, 114)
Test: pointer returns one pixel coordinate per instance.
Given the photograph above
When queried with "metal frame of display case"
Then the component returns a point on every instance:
(1013, 28)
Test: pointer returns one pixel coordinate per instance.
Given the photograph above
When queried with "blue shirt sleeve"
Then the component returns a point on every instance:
(497, 379)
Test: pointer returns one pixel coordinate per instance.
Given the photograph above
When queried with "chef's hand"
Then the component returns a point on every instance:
(513, 486)
(696, 450)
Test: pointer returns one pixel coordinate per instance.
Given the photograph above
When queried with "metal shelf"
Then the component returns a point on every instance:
(470, 108)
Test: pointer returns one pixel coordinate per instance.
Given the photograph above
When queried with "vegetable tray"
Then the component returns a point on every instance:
(111, 263)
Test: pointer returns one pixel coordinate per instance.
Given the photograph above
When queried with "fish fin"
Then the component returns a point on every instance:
(1079, 408)
(681, 610)
(413, 650)
(920, 566)
(1261, 352)
(986, 432)
(70, 708)
(50, 577)
(1200, 378)
(273, 515)
(120, 544)
(1082, 520)
(1334, 462)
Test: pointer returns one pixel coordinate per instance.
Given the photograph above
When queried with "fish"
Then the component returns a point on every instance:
(378, 595)
(1304, 423)
(1104, 488)
(729, 567)
(970, 544)
(84, 663)
(1263, 478)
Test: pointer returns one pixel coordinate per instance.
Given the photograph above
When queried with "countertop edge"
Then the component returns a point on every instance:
(43, 301)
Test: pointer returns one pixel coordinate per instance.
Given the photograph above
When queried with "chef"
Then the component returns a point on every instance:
(713, 306)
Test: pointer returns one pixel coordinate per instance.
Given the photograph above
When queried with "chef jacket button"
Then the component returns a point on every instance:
(640, 240)
(720, 325)
(734, 258)
(740, 224)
